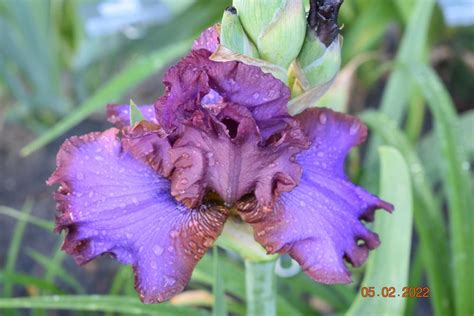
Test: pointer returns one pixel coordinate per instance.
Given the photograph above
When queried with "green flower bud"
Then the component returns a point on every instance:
(319, 60)
(277, 27)
(232, 34)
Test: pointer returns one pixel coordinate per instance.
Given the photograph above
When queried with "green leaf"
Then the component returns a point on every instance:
(366, 28)
(28, 281)
(98, 303)
(39, 222)
(232, 273)
(219, 308)
(135, 72)
(429, 221)
(389, 264)
(14, 247)
(429, 146)
(135, 114)
(59, 271)
(456, 182)
(412, 48)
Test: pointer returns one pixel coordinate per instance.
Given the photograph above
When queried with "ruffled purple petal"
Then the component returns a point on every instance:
(208, 40)
(119, 114)
(197, 83)
(225, 154)
(111, 202)
(319, 222)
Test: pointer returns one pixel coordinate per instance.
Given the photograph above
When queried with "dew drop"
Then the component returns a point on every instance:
(169, 281)
(183, 181)
(303, 203)
(157, 250)
(320, 154)
(208, 242)
(323, 118)
(354, 128)
(174, 233)
(80, 176)
(99, 158)
(256, 95)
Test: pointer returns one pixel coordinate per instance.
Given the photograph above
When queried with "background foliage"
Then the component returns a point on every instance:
(407, 74)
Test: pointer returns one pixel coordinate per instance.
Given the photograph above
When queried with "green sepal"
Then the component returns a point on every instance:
(277, 27)
(233, 36)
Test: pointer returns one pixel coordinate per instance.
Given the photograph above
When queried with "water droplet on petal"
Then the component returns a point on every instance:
(174, 233)
(256, 95)
(157, 250)
(169, 281)
(183, 181)
(208, 242)
(323, 118)
(354, 128)
(80, 176)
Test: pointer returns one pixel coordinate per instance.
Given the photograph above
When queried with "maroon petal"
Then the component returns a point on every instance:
(319, 222)
(208, 40)
(111, 202)
(230, 158)
(196, 82)
(119, 114)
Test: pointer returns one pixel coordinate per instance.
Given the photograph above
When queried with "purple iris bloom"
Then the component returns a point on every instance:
(219, 143)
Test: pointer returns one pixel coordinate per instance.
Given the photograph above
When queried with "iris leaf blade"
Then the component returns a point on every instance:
(389, 264)
(135, 72)
(429, 221)
(98, 303)
(456, 181)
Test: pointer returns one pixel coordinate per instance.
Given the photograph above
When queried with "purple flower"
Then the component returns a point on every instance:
(156, 195)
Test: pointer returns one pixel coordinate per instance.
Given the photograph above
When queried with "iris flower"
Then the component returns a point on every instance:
(218, 143)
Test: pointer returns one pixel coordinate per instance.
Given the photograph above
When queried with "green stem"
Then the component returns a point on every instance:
(260, 285)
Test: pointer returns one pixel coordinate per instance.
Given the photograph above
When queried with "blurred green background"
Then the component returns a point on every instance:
(408, 72)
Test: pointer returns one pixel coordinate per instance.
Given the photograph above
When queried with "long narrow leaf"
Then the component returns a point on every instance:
(388, 266)
(130, 76)
(429, 221)
(14, 247)
(98, 303)
(60, 272)
(456, 183)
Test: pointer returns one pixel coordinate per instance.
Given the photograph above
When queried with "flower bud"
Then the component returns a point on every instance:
(277, 27)
(232, 35)
(319, 60)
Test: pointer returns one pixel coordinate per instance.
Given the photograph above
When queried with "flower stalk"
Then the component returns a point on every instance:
(260, 286)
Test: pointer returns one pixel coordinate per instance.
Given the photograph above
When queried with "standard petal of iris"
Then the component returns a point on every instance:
(197, 83)
(110, 202)
(119, 114)
(319, 222)
(208, 40)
